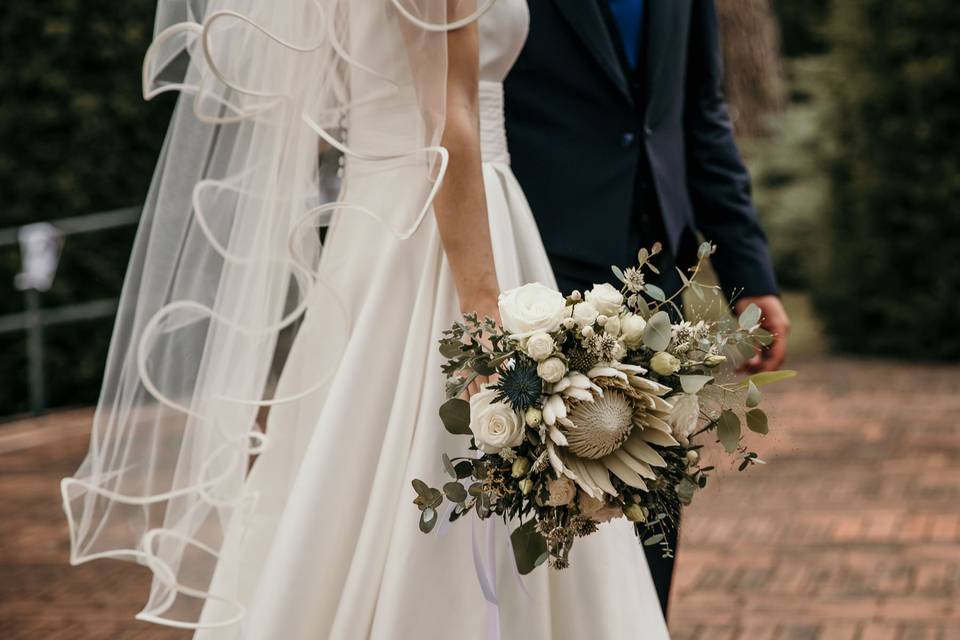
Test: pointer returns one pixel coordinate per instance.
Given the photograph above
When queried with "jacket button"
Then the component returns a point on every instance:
(627, 139)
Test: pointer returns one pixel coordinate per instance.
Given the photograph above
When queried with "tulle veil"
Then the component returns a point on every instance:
(272, 93)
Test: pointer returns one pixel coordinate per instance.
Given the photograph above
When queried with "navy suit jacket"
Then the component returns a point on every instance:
(588, 139)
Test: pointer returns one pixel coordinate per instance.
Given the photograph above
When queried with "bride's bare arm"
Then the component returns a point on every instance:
(460, 205)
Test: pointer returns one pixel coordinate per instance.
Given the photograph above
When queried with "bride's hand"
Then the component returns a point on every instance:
(485, 307)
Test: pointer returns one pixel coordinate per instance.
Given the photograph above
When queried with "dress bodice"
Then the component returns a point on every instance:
(503, 30)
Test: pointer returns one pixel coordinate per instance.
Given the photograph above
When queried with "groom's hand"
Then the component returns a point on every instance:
(774, 319)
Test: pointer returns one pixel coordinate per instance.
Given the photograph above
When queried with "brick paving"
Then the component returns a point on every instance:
(851, 532)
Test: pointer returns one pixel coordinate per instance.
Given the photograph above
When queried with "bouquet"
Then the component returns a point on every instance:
(600, 406)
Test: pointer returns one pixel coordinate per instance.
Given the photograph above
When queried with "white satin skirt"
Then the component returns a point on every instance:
(332, 548)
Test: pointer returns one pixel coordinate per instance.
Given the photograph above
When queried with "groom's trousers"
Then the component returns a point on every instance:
(577, 275)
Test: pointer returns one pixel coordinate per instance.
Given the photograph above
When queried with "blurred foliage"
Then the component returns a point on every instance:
(890, 285)
(802, 26)
(751, 55)
(791, 187)
(76, 137)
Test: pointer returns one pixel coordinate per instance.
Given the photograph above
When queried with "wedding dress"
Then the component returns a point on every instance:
(329, 545)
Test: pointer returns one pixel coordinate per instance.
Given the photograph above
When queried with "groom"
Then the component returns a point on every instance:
(619, 136)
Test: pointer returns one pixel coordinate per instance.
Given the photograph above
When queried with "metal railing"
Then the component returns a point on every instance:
(34, 319)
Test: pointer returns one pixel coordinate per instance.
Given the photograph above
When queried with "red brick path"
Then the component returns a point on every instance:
(851, 532)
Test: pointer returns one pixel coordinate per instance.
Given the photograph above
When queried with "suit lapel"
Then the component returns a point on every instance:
(585, 18)
(664, 19)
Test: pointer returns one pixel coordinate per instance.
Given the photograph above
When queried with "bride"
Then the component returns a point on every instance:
(248, 242)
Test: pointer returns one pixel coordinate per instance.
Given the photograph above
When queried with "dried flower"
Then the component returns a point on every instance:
(562, 492)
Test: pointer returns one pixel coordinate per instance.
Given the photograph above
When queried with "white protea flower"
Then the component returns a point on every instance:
(604, 422)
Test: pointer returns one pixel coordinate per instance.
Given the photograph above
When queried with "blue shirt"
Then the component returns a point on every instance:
(629, 17)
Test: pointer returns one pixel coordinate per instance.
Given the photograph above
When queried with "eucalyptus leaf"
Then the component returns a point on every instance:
(428, 520)
(683, 277)
(435, 499)
(728, 430)
(767, 377)
(421, 488)
(757, 421)
(693, 384)
(652, 540)
(655, 292)
(455, 414)
(642, 256)
(753, 394)
(529, 547)
(464, 469)
(656, 335)
(763, 337)
(697, 290)
(618, 273)
(455, 492)
(448, 466)
(750, 317)
(746, 349)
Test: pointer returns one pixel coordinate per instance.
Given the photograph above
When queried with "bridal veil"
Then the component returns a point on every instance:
(225, 260)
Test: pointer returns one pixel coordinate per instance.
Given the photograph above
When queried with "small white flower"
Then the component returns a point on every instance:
(495, 426)
(585, 314)
(714, 360)
(588, 332)
(533, 417)
(575, 296)
(552, 370)
(606, 298)
(540, 346)
(634, 279)
(632, 327)
(532, 308)
(664, 363)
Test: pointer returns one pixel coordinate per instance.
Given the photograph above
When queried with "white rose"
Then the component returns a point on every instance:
(632, 327)
(613, 327)
(532, 308)
(495, 426)
(540, 346)
(685, 414)
(585, 314)
(552, 370)
(664, 364)
(606, 298)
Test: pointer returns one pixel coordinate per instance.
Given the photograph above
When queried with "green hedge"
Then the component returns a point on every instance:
(76, 137)
(893, 276)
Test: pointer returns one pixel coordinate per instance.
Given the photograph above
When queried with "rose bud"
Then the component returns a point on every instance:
(521, 467)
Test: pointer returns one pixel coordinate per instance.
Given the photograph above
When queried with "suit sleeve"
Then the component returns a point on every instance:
(718, 181)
